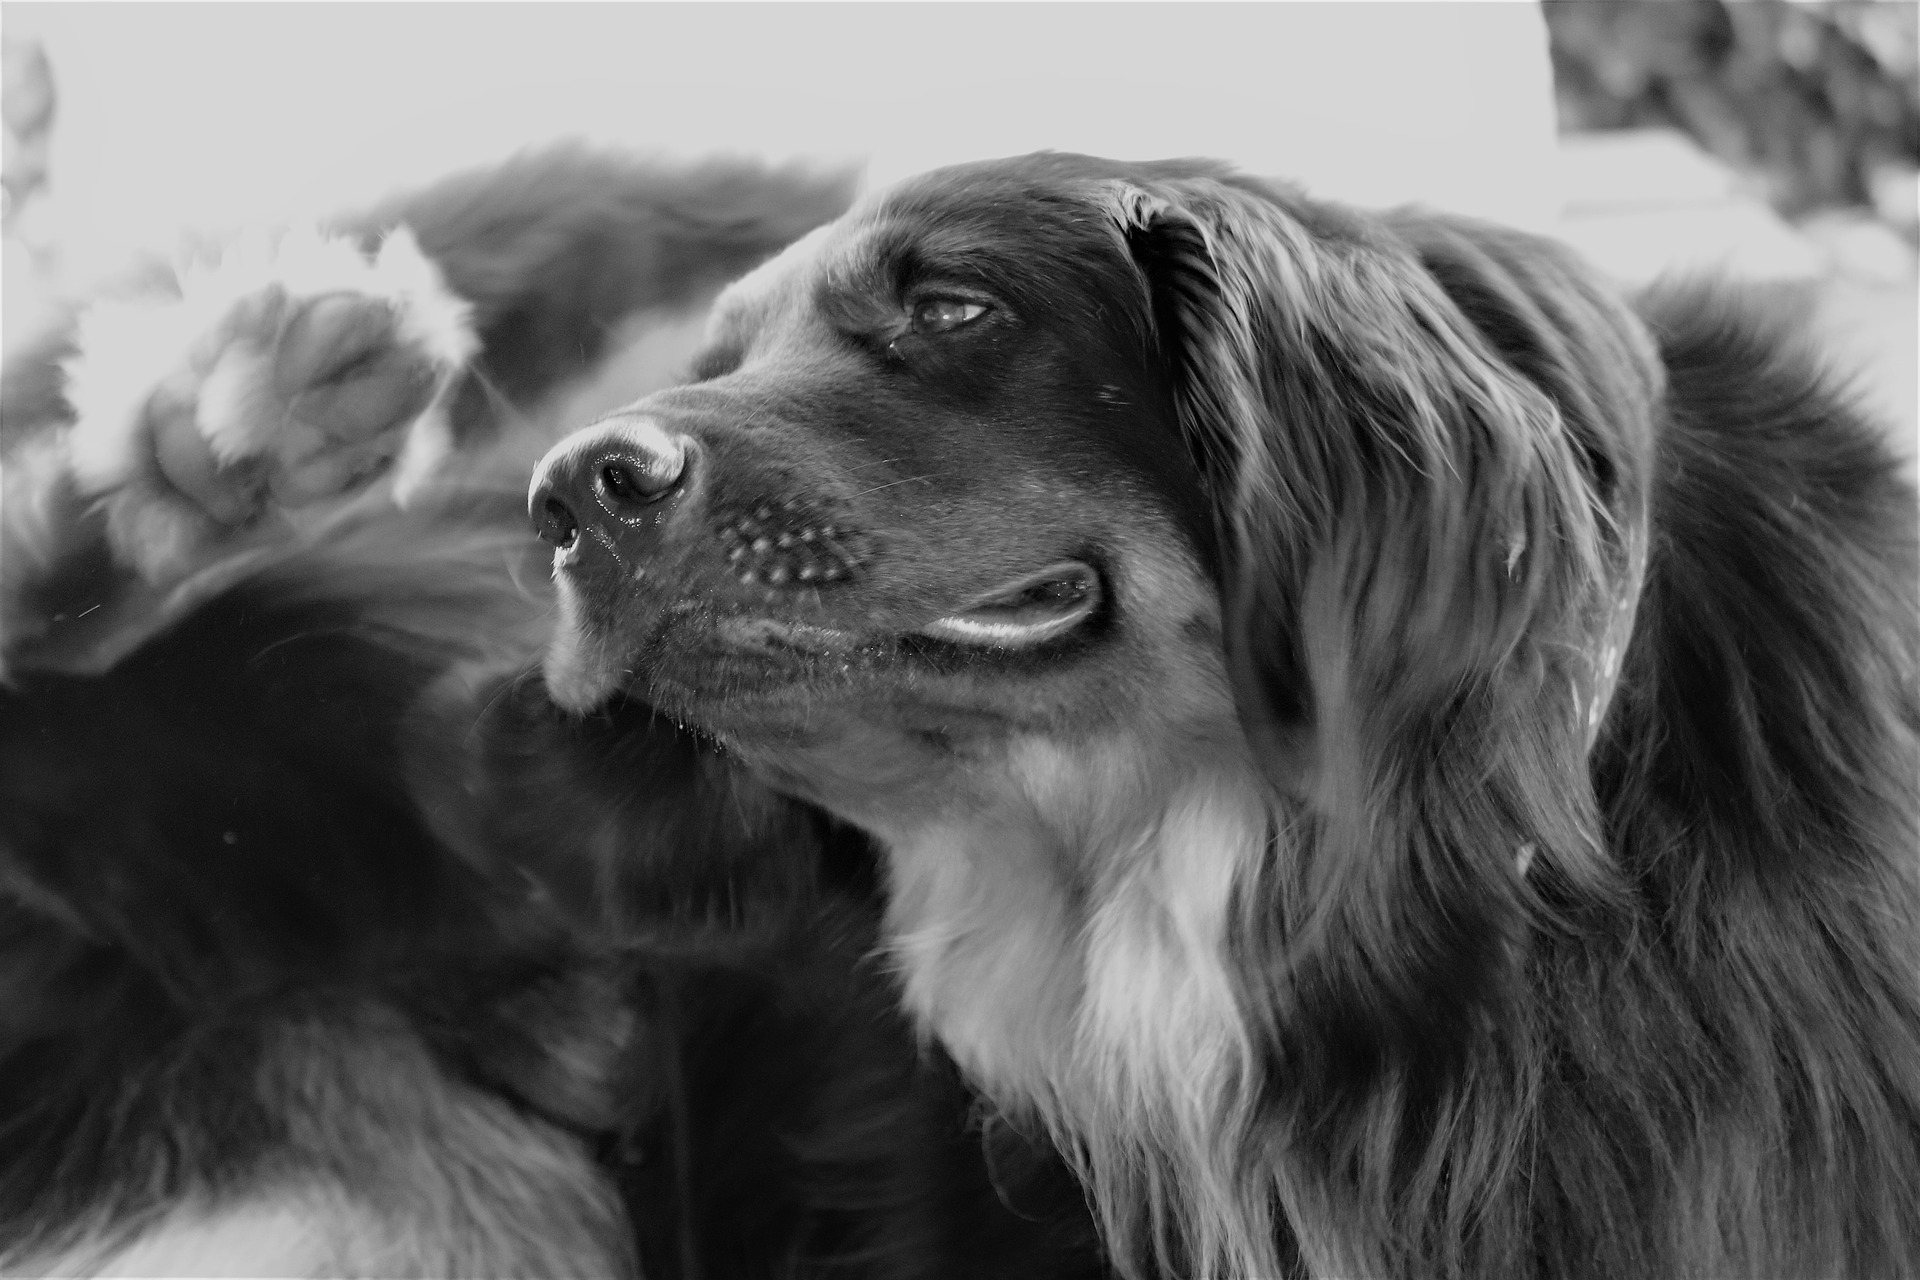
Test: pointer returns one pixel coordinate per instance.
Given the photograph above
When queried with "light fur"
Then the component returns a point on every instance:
(1063, 925)
(205, 347)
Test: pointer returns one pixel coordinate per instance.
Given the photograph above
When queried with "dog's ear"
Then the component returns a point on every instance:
(1417, 474)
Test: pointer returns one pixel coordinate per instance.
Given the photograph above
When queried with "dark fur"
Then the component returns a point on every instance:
(1508, 1004)
(279, 902)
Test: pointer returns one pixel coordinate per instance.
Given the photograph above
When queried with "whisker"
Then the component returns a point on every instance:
(922, 479)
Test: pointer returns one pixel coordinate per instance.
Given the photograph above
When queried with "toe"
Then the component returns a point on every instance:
(383, 393)
(327, 337)
(228, 491)
(346, 370)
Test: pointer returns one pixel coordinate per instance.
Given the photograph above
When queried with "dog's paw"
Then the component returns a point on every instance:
(290, 370)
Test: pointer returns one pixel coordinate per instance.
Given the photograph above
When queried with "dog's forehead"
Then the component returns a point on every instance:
(775, 286)
(994, 210)
(989, 218)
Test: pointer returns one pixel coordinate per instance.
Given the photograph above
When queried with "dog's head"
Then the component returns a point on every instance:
(1206, 595)
(927, 475)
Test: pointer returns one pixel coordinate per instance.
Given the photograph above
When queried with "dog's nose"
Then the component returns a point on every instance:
(621, 467)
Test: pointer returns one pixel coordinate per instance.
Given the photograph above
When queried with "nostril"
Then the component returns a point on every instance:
(620, 485)
(557, 523)
(623, 484)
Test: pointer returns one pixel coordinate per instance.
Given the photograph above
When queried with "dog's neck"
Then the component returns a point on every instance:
(1069, 904)
(1061, 924)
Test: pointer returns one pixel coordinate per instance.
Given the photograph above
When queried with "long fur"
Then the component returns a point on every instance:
(1613, 1064)
(1478, 838)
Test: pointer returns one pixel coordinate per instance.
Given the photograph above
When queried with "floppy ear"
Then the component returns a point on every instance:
(1420, 546)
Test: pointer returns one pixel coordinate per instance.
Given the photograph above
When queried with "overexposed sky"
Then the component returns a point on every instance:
(214, 115)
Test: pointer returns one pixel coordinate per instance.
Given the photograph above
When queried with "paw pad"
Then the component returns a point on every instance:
(290, 370)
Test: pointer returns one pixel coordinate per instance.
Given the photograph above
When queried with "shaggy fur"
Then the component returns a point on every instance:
(1403, 760)
(327, 946)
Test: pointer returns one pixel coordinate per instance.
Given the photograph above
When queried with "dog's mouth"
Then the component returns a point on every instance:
(1014, 616)
(1026, 613)
(753, 653)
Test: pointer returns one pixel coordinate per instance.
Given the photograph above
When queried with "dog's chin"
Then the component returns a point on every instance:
(729, 668)
(742, 670)
(582, 673)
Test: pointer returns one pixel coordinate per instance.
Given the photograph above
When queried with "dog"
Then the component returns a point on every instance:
(1402, 759)
(328, 945)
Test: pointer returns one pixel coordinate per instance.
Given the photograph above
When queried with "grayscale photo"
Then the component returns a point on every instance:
(960, 641)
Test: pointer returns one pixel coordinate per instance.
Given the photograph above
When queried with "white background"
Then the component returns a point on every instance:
(213, 115)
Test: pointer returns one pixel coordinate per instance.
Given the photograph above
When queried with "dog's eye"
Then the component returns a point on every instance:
(938, 315)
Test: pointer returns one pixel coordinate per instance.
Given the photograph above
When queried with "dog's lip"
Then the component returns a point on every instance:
(1018, 615)
(1030, 610)
(759, 631)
